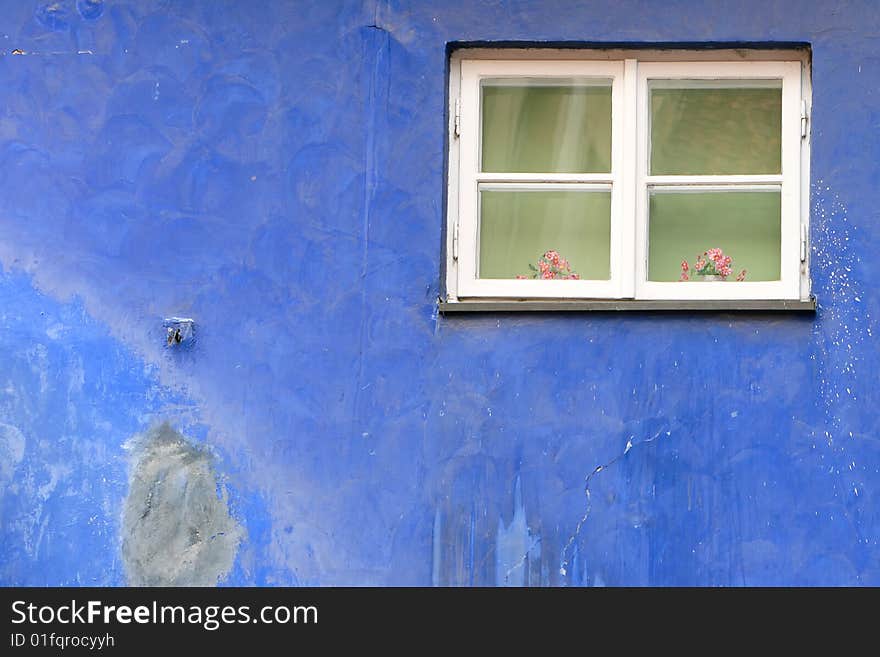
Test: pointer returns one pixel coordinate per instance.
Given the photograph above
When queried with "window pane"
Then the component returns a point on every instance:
(518, 227)
(744, 225)
(546, 127)
(706, 130)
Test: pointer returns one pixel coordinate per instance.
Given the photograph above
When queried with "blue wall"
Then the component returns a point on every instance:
(275, 170)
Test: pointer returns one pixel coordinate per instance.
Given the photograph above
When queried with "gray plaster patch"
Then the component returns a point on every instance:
(176, 528)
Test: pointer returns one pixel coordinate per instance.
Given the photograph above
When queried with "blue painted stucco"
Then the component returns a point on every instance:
(275, 170)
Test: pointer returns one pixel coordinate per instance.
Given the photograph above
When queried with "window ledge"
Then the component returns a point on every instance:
(584, 305)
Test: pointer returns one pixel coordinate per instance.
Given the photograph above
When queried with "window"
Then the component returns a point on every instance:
(675, 176)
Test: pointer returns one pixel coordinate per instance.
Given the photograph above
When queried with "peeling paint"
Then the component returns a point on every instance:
(11, 453)
(516, 545)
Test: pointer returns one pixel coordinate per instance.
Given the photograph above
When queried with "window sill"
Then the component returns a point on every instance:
(614, 305)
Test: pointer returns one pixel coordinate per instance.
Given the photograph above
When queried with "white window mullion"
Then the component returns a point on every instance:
(804, 192)
(716, 180)
(791, 171)
(643, 155)
(453, 212)
(469, 165)
(552, 178)
(627, 106)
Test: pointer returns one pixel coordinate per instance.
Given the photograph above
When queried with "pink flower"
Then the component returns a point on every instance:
(552, 266)
(741, 276)
(553, 257)
(713, 262)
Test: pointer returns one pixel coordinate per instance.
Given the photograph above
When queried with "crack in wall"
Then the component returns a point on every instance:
(536, 541)
(376, 91)
(563, 566)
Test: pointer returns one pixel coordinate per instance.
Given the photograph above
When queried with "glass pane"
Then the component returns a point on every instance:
(685, 225)
(706, 130)
(540, 126)
(517, 228)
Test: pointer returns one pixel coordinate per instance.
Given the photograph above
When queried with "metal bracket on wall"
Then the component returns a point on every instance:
(178, 330)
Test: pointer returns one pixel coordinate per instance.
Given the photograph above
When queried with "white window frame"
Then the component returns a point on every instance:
(471, 180)
(630, 72)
